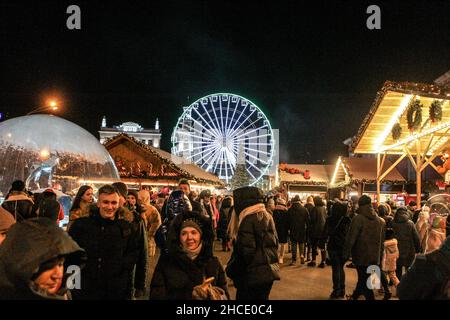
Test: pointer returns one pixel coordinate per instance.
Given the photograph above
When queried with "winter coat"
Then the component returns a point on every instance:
(424, 279)
(176, 274)
(224, 220)
(317, 219)
(281, 219)
(111, 254)
(365, 238)
(139, 229)
(298, 219)
(83, 211)
(28, 245)
(336, 229)
(255, 246)
(407, 237)
(390, 255)
(152, 223)
(19, 205)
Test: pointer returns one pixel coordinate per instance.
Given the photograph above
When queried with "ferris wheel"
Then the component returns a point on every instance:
(220, 131)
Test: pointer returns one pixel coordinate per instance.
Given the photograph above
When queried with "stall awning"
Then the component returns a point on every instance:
(361, 170)
(391, 106)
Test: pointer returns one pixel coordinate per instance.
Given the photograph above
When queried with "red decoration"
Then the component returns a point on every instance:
(305, 173)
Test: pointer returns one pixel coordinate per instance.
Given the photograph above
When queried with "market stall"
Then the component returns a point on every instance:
(358, 176)
(304, 179)
(408, 120)
(140, 165)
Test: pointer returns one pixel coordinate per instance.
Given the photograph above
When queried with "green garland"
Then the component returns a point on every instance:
(414, 115)
(396, 131)
(436, 111)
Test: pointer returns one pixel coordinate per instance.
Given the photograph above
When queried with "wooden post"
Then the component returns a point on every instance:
(418, 173)
(378, 178)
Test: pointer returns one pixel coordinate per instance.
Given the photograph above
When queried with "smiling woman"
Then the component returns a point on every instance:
(189, 270)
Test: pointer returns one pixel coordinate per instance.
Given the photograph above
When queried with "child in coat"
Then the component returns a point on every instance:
(390, 256)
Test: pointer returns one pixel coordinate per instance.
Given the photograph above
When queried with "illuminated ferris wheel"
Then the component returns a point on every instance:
(221, 130)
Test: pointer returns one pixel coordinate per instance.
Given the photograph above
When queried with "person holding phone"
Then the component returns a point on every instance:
(189, 269)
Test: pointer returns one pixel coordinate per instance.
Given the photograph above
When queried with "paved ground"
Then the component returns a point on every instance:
(297, 282)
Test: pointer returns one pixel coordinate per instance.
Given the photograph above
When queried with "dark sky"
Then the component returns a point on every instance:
(312, 66)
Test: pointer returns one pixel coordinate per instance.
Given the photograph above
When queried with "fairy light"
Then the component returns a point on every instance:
(397, 114)
(415, 137)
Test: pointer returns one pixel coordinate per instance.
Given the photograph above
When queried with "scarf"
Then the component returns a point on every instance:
(192, 254)
(259, 209)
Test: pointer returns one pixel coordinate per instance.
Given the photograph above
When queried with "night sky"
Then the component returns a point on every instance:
(312, 66)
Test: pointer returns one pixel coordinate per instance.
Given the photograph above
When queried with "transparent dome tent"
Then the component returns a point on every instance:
(46, 151)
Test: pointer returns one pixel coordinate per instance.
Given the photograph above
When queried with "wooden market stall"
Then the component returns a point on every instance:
(408, 120)
(140, 164)
(304, 179)
(358, 176)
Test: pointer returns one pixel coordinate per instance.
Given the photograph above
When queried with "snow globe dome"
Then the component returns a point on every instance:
(47, 151)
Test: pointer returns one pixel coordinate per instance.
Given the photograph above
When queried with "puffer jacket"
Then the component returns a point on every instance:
(365, 239)
(19, 205)
(407, 237)
(40, 241)
(256, 244)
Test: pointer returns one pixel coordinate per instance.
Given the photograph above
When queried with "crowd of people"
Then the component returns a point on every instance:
(112, 236)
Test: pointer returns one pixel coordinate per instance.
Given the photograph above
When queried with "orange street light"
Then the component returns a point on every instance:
(50, 105)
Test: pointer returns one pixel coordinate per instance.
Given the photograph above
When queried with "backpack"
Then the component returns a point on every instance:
(442, 263)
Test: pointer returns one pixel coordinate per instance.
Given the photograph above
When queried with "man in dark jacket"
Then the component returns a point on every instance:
(111, 249)
(429, 276)
(254, 262)
(31, 260)
(317, 218)
(18, 203)
(408, 240)
(298, 221)
(364, 243)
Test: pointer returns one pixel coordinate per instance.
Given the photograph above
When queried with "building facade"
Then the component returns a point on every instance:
(151, 137)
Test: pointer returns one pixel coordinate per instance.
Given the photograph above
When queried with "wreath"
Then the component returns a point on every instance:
(436, 111)
(396, 131)
(414, 115)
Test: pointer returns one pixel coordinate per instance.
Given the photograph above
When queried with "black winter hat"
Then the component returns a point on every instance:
(365, 199)
(245, 197)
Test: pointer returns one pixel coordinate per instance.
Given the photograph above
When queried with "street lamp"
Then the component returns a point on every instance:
(52, 105)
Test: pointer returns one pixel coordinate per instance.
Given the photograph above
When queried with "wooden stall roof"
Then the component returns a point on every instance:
(189, 170)
(362, 170)
(319, 174)
(390, 107)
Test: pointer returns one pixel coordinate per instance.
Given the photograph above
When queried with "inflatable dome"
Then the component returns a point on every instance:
(48, 151)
